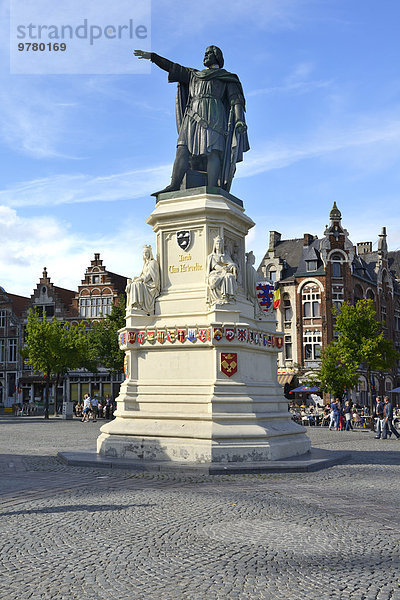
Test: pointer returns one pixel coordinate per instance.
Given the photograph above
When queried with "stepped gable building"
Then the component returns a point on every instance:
(12, 307)
(51, 300)
(315, 274)
(99, 290)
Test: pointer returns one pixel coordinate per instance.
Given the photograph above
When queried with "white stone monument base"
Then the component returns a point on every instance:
(204, 451)
(201, 372)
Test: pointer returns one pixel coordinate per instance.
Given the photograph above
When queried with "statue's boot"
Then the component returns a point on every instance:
(181, 165)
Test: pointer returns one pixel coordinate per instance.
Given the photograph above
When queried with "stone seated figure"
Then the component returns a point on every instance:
(142, 291)
(221, 275)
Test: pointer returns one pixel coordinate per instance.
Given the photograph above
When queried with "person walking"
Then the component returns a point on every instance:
(347, 416)
(388, 426)
(87, 407)
(95, 408)
(379, 410)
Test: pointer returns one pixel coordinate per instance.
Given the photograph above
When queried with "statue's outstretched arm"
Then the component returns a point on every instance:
(160, 61)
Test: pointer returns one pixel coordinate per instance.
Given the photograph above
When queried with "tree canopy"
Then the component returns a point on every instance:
(361, 342)
(54, 348)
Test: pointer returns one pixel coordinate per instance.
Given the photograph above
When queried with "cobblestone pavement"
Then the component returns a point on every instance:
(69, 533)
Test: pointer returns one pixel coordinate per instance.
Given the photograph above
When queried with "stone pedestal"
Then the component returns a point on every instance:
(212, 394)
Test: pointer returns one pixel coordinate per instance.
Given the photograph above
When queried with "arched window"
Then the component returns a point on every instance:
(383, 307)
(358, 293)
(272, 274)
(337, 268)
(311, 300)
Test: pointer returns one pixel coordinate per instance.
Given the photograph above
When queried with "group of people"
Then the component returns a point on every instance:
(384, 419)
(95, 408)
(343, 416)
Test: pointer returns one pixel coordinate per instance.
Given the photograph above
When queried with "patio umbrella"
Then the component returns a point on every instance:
(395, 391)
(305, 388)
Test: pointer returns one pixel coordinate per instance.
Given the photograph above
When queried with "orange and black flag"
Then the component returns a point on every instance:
(277, 299)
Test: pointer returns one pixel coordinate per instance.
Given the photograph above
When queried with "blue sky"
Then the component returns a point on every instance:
(81, 154)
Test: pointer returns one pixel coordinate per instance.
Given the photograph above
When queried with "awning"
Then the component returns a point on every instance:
(285, 378)
(395, 391)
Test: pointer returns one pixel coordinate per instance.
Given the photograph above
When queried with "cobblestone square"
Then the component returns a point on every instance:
(72, 532)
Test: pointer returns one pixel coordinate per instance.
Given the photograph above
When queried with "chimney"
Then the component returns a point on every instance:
(364, 248)
(274, 239)
(308, 238)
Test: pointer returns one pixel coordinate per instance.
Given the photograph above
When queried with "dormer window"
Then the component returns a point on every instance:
(311, 265)
(272, 275)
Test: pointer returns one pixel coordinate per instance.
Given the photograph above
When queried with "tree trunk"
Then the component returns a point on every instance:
(371, 402)
(46, 397)
(56, 395)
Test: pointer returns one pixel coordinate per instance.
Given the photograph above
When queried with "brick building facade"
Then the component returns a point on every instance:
(98, 291)
(315, 274)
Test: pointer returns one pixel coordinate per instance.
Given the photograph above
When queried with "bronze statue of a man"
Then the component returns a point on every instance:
(210, 110)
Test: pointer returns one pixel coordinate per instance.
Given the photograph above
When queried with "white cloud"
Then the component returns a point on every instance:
(277, 156)
(28, 245)
(69, 189)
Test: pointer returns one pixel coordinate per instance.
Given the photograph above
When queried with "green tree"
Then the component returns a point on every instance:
(361, 343)
(103, 338)
(53, 348)
(336, 376)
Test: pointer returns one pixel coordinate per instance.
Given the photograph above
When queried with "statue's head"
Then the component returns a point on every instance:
(147, 252)
(212, 56)
(218, 244)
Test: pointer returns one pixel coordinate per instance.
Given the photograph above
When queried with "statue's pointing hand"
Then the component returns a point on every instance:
(142, 54)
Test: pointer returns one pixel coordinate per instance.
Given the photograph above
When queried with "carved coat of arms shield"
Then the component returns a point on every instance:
(183, 238)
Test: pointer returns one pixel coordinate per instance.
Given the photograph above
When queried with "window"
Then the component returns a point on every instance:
(12, 350)
(337, 296)
(312, 344)
(311, 299)
(311, 265)
(95, 278)
(397, 320)
(272, 275)
(288, 347)
(2, 350)
(2, 318)
(287, 309)
(383, 309)
(337, 260)
(47, 309)
(95, 306)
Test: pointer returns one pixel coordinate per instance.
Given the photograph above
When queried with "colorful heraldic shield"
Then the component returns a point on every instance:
(251, 336)
(265, 339)
(126, 366)
(181, 335)
(242, 334)
(230, 333)
(160, 336)
(132, 337)
(120, 340)
(270, 340)
(192, 334)
(229, 363)
(279, 342)
(151, 335)
(171, 335)
(218, 333)
(265, 295)
(202, 334)
(141, 337)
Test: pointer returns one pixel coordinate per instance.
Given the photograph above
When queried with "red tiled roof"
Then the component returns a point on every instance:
(19, 303)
